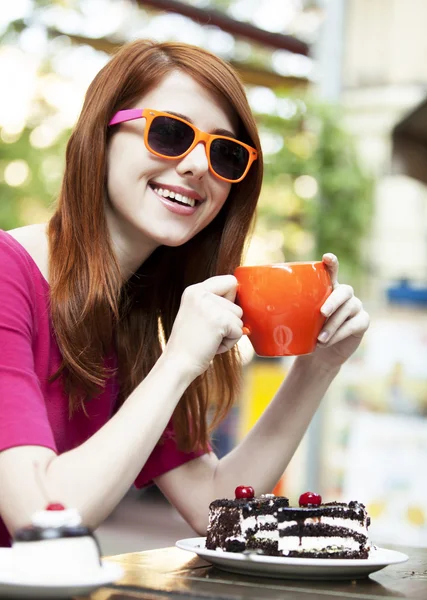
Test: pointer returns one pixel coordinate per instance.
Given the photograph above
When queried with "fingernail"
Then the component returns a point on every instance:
(323, 336)
(326, 310)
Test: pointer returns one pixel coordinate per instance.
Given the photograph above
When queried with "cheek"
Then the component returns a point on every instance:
(221, 192)
(116, 177)
(124, 168)
(127, 155)
(117, 167)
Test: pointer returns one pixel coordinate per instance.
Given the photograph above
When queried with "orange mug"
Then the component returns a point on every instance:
(281, 306)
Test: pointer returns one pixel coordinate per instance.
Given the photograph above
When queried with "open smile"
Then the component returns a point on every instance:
(177, 194)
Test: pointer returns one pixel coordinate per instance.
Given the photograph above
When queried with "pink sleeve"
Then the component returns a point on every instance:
(23, 415)
(165, 457)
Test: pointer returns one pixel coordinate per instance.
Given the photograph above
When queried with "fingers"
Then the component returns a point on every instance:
(355, 326)
(227, 344)
(340, 295)
(232, 332)
(343, 310)
(207, 291)
(226, 304)
(211, 305)
(347, 310)
(332, 264)
(221, 285)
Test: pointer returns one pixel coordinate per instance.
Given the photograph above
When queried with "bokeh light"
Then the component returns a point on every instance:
(305, 186)
(16, 173)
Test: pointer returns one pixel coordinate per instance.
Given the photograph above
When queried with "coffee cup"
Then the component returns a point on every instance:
(281, 305)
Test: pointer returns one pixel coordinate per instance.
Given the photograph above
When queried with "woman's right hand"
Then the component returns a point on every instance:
(208, 323)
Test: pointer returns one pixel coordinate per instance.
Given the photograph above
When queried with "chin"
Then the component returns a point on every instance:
(175, 244)
(173, 241)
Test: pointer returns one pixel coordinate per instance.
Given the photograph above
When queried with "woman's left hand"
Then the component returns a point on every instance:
(346, 321)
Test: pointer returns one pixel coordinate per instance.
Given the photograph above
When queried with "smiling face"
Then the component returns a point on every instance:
(154, 201)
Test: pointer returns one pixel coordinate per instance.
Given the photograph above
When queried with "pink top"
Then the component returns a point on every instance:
(32, 410)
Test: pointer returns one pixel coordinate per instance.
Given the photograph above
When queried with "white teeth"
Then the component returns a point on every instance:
(176, 196)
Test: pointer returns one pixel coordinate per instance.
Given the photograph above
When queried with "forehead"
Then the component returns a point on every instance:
(180, 93)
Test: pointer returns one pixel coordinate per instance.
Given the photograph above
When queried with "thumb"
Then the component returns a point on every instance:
(332, 264)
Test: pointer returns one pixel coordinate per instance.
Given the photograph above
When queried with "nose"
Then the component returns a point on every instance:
(196, 163)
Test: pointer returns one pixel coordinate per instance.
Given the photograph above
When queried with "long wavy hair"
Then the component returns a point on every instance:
(95, 313)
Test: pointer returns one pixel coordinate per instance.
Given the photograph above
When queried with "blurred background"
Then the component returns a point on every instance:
(339, 90)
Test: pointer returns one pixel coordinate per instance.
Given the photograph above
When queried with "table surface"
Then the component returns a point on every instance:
(176, 574)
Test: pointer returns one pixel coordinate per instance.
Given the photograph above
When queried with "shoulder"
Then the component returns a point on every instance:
(18, 285)
(13, 256)
(26, 247)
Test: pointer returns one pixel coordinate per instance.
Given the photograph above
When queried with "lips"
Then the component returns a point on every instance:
(176, 193)
(175, 206)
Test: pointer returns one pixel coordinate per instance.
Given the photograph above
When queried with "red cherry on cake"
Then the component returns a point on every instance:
(244, 491)
(55, 506)
(310, 499)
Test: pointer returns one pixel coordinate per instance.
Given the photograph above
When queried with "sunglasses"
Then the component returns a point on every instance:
(173, 138)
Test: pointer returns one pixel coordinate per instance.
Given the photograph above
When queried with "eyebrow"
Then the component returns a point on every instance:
(218, 131)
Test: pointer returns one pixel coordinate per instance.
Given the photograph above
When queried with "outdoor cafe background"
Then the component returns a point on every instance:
(371, 433)
(341, 109)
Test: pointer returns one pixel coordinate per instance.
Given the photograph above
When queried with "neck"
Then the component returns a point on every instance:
(131, 247)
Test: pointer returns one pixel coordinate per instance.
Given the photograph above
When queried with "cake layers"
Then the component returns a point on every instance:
(245, 524)
(331, 530)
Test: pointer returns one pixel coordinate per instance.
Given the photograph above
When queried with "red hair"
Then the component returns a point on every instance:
(95, 313)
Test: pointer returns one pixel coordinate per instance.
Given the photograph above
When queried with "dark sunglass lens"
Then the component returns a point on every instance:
(170, 137)
(228, 158)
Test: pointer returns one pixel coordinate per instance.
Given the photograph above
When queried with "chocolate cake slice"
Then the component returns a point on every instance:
(330, 530)
(246, 523)
(268, 525)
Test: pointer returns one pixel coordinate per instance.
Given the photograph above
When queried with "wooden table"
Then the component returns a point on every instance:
(175, 574)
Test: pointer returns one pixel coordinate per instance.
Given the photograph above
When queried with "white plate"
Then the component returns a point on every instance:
(15, 584)
(294, 568)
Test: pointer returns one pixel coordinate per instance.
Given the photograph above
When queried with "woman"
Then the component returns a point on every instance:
(118, 322)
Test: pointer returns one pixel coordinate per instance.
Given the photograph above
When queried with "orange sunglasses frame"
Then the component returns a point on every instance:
(123, 116)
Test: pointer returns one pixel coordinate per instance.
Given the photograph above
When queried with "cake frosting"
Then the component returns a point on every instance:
(68, 517)
(268, 525)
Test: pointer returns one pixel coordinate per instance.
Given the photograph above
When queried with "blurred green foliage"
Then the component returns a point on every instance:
(30, 202)
(337, 217)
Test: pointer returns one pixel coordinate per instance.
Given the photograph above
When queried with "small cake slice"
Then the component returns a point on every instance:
(245, 523)
(330, 530)
(56, 544)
